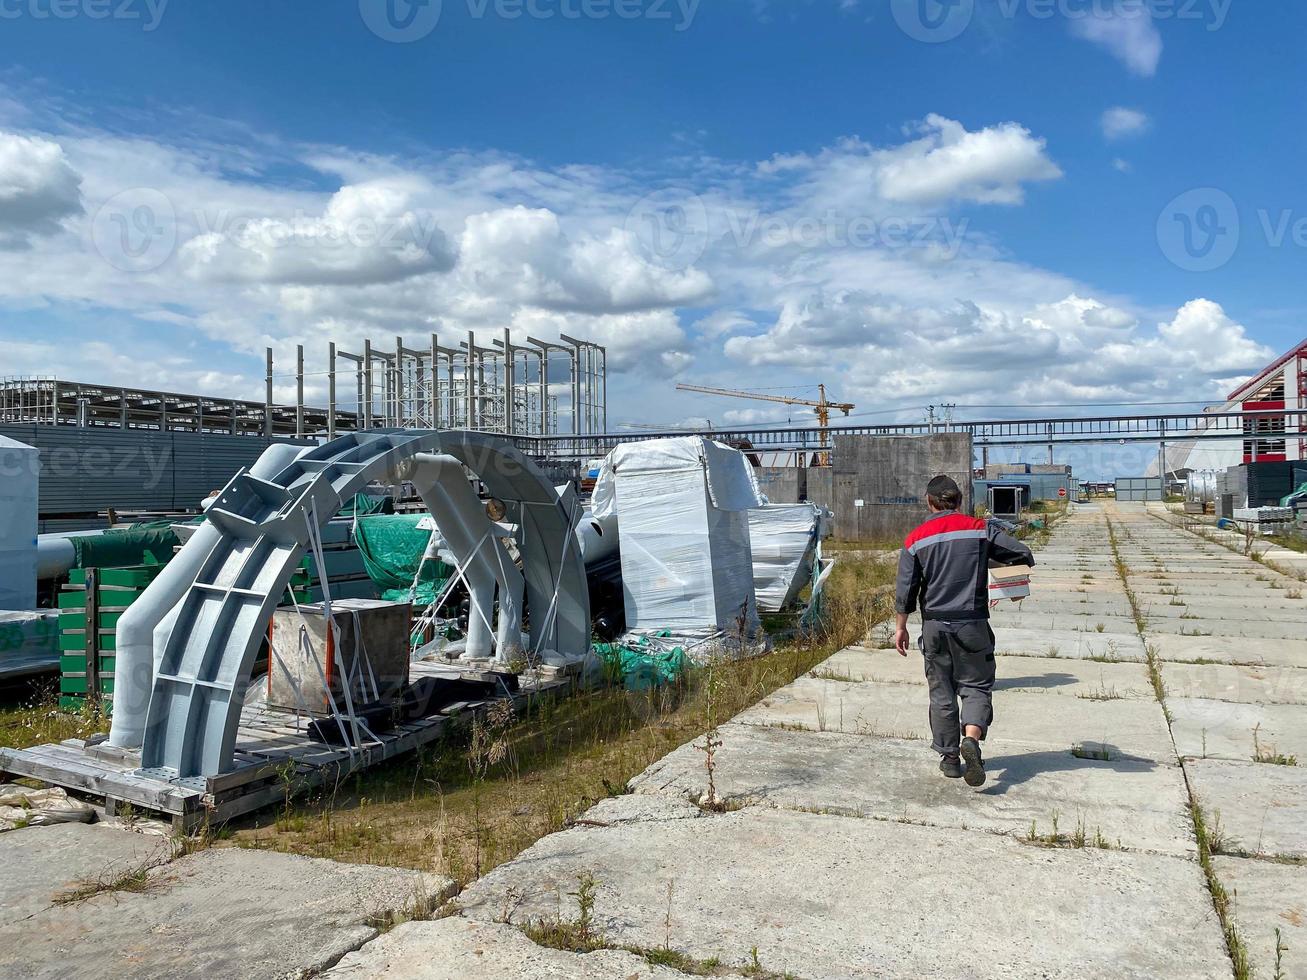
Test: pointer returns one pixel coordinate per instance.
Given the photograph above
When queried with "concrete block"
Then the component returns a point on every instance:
(219, 913)
(42, 862)
(1262, 808)
(1222, 682)
(456, 948)
(1229, 650)
(824, 896)
(1073, 644)
(1137, 805)
(1229, 730)
(1061, 675)
(1128, 728)
(371, 641)
(1265, 897)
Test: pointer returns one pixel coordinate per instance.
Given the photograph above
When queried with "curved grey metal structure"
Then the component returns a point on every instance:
(205, 647)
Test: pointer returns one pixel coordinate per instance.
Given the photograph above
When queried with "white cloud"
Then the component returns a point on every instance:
(989, 166)
(1121, 166)
(946, 162)
(39, 189)
(523, 253)
(1120, 122)
(891, 321)
(368, 233)
(1128, 32)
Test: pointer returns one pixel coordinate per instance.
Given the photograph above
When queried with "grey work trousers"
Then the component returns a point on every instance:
(959, 658)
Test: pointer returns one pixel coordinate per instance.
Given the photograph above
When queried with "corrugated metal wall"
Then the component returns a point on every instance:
(84, 470)
(1138, 488)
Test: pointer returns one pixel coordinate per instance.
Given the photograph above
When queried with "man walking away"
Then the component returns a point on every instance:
(944, 568)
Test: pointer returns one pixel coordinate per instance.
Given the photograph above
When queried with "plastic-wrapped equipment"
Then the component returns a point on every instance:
(783, 539)
(683, 509)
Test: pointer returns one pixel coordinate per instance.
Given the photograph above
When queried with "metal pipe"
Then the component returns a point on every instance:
(399, 382)
(267, 402)
(367, 384)
(331, 390)
(299, 391)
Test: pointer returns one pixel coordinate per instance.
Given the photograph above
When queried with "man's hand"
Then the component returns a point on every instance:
(901, 640)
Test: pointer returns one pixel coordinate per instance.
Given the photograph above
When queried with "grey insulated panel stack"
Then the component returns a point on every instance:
(89, 469)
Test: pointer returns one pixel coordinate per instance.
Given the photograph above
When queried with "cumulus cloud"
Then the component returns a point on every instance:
(524, 254)
(989, 166)
(39, 189)
(1127, 32)
(1120, 122)
(368, 233)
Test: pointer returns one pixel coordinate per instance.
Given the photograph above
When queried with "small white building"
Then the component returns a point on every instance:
(19, 475)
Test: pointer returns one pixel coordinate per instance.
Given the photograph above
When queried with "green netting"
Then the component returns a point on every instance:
(392, 546)
(641, 666)
(148, 543)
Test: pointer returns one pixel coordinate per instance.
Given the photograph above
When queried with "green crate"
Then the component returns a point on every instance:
(72, 620)
(73, 641)
(76, 684)
(137, 577)
(72, 599)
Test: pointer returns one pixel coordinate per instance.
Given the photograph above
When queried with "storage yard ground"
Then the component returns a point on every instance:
(1155, 677)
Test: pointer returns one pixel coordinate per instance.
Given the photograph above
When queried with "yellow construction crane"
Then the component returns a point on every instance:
(821, 405)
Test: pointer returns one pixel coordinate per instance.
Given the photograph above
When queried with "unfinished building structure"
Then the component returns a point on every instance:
(508, 387)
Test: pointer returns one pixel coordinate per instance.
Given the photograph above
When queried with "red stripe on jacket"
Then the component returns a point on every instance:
(944, 525)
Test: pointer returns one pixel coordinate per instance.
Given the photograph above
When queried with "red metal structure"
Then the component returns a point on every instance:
(1281, 387)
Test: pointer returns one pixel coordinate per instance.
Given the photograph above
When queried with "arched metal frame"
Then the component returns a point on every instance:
(205, 647)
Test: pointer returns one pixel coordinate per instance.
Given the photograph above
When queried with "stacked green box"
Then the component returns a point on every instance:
(116, 590)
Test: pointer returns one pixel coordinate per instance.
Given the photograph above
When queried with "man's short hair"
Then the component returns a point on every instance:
(943, 493)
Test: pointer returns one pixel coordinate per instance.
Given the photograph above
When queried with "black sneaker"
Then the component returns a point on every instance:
(975, 771)
(951, 766)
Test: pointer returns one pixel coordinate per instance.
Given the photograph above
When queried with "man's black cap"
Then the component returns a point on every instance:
(941, 486)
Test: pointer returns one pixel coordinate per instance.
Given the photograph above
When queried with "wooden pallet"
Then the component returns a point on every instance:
(275, 758)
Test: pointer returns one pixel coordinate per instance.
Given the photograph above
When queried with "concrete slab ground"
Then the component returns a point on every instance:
(831, 896)
(1141, 806)
(218, 913)
(1230, 730)
(1124, 728)
(1267, 685)
(1065, 621)
(1265, 897)
(39, 863)
(1226, 649)
(1071, 644)
(1061, 675)
(1262, 807)
(1239, 629)
(463, 949)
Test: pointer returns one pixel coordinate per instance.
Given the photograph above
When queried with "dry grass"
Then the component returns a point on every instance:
(36, 719)
(461, 810)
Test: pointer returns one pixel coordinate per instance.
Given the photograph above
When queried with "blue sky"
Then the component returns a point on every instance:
(1013, 187)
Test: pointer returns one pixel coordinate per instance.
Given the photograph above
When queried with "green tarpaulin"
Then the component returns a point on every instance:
(640, 665)
(149, 543)
(392, 546)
